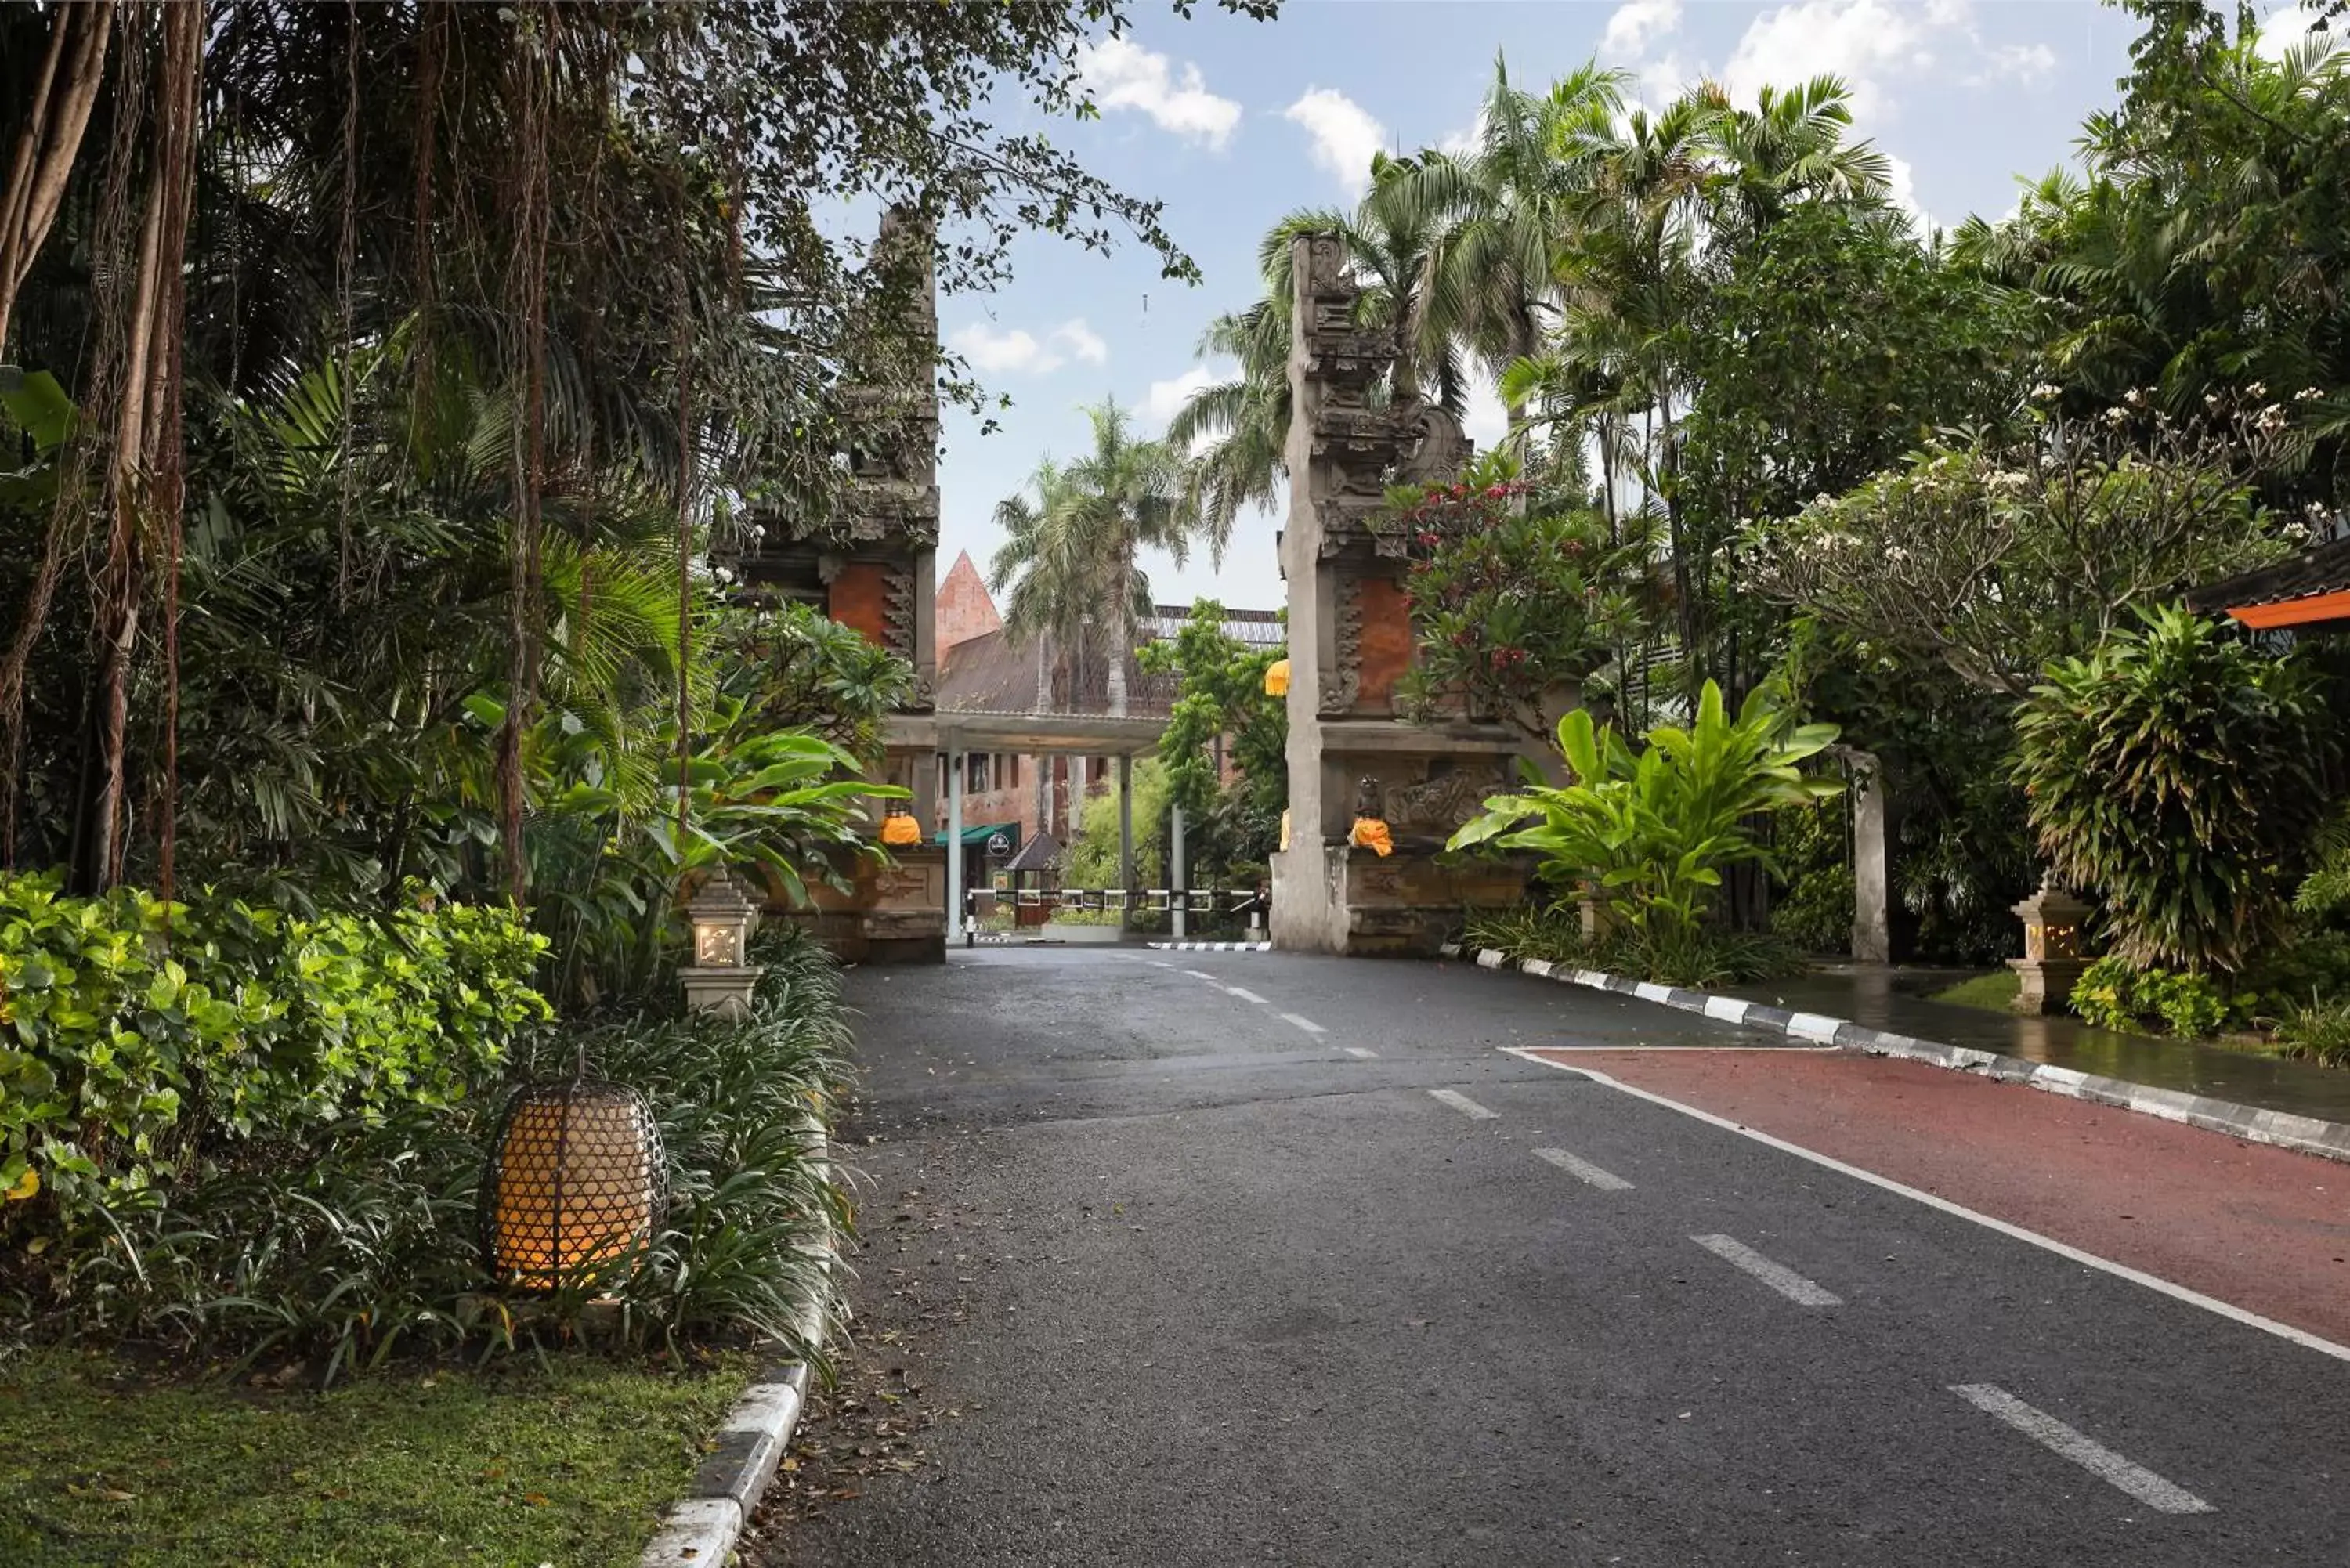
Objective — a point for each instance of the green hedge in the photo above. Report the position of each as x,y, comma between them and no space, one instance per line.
132,1049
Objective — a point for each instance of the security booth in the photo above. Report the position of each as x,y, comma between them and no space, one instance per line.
1034,877
984,847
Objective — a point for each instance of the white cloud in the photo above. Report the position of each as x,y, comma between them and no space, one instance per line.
1165,398
1345,134
1485,420
1636,24
2029,64
2287,27
995,350
1862,41
1901,181
1122,74
1082,341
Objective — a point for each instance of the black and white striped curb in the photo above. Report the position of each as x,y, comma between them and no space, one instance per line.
2308,1135
702,1527
1212,947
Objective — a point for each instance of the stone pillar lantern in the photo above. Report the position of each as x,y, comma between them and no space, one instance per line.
720,980
2052,957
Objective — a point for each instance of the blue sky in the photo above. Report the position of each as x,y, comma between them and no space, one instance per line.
1233,123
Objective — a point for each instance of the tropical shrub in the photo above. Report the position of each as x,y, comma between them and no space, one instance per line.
1813,909
358,1237
1651,834
2112,993
145,1043
1510,601
2316,1029
1553,934
2177,775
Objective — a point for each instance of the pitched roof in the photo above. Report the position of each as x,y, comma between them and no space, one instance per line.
1042,853
2320,569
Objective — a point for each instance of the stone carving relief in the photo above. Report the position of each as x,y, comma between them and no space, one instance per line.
1439,805
899,609
1342,681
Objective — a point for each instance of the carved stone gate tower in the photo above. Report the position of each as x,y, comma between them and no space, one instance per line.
872,566
1350,643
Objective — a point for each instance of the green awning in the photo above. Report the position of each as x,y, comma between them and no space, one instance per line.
980,835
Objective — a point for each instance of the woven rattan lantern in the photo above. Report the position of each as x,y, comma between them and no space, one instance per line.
575,1180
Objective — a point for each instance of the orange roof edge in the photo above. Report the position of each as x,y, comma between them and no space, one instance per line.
2294,612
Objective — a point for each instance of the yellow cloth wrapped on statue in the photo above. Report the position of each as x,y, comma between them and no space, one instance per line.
1372,834
1284,832
1276,678
900,829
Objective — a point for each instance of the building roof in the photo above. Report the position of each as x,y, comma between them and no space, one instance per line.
1042,853
2320,569
1253,628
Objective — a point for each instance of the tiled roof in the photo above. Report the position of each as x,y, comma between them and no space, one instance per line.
2320,569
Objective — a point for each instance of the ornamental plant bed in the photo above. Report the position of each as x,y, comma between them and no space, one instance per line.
565,1459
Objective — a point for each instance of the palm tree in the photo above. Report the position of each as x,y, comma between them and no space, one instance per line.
1505,207
1237,431
1244,421
1068,555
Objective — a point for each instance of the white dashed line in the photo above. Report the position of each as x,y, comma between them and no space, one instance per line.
1778,1276
1202,974
2086,1452
2227,1310
1161,963
1357,1050
1246,995
1606,1180
1306,1023
1464,1104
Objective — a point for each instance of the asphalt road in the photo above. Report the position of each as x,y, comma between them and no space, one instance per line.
1232,1283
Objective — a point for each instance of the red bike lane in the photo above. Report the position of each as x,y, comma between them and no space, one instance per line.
2258,1228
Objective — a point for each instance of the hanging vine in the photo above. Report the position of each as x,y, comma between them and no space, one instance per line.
534,79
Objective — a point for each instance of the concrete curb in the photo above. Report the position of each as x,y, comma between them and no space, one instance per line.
1212,947
702,1527
2306,1135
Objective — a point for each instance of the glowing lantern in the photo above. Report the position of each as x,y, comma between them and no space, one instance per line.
2052,960
719,979
1276,678
574,1183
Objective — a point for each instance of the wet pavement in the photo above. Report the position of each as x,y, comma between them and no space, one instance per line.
1890,999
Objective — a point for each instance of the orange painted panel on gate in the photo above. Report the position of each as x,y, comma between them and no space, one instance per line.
860,598
1385,643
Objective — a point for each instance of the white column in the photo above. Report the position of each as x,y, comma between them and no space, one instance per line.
1178,879
955,842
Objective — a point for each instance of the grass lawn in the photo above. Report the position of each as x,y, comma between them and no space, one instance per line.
1995,990
568,1464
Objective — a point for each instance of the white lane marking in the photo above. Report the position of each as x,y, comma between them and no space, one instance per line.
2086,1452
1161,963
1202,974
1606,1180
1246,995
1778,1276
2300,1336
1306,1023
1357,1050
1464,1104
